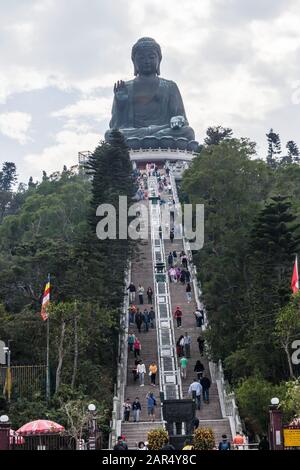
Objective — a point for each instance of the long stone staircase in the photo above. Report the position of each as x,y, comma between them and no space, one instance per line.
209,415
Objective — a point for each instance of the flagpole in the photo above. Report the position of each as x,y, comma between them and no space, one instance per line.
47,357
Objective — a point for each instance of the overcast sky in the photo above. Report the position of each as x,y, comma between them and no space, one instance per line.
237,64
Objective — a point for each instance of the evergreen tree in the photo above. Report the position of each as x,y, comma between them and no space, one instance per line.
8,176
216,134
274,149
111,172
293,152
31,184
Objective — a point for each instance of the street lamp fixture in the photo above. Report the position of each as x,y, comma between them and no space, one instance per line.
4,419
275,425
275,401
92,426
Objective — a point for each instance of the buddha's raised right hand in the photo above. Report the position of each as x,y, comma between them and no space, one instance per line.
120,91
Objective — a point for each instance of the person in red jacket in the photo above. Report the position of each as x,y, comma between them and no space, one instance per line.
178,316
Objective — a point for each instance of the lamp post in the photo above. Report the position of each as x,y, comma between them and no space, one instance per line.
4,432
92,426
8,383
275,426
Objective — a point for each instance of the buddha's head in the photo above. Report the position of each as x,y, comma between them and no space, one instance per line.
146,57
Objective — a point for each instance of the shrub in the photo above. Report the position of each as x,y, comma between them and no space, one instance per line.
203,439
157,438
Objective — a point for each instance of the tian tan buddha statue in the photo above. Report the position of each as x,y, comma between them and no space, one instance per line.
148,110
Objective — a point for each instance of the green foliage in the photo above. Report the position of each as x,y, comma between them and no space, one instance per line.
157,438
203,439
254,396
291,401
47,229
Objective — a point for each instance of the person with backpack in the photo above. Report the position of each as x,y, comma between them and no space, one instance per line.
199,317
224,444
199,369
151,404
121,444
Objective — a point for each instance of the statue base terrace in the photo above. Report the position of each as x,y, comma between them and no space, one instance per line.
161,155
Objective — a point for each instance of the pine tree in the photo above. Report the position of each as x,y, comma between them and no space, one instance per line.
216,134
111,172
274,149
31,184
293,152
274,241
8,176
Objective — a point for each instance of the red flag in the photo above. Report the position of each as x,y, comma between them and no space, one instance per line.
295,278
45,301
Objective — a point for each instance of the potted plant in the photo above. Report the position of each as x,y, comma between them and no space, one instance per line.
203,439
157,438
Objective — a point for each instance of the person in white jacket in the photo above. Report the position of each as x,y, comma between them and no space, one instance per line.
141,370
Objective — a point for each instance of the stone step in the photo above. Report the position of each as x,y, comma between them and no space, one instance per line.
136,432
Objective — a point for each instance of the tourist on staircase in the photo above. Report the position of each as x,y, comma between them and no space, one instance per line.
136,409
121,444
195,389
132,312
131,339
141,294
199,315
170,259
153,372
152,317
151,404
134,370
180,346
146,320
150,295
178,316
138,320
201,344
183,366
141,370
127,408
188,291
187,275
187,341
137,347
132,290
224,444
199,368
205,382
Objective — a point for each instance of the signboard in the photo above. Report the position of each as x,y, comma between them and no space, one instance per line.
291,437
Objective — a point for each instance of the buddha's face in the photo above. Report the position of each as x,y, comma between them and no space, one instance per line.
146,61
